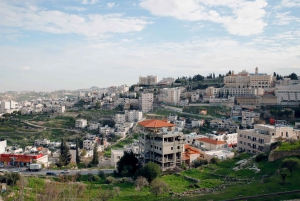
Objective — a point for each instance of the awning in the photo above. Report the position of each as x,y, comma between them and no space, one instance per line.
23,160
5,159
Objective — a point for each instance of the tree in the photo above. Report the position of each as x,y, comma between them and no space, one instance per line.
140,183
98,105
77,152
159,187
199,162
83,152
128,163
95,159
291,164
293,76
150,171
274,74
283,173
214,160
65,156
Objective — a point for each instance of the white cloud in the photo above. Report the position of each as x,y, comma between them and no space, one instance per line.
26,68
164,59
285,18
290,3
58,22
110,5
94,1
76,8
243,21
89,2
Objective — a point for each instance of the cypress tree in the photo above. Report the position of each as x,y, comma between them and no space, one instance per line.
65,156
95,160
77,152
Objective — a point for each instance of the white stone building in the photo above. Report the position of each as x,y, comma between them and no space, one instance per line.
147,102
149,80
133,115
120,118
80,123
259,139
173,96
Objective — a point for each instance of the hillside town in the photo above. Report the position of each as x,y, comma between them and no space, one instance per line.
174,123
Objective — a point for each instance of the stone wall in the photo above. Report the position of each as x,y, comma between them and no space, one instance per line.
275,155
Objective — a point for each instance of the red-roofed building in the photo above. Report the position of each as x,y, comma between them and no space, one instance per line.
210,144
190,154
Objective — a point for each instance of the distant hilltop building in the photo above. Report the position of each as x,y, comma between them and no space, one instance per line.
246,80
149,80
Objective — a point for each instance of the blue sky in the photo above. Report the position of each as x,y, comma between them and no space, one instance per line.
48,45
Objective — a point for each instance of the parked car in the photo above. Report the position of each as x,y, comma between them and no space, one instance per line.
65,171
51,173
17,171
3,170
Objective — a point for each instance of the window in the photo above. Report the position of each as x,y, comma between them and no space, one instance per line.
287,134
171,148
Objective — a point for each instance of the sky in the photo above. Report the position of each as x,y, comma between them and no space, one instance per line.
48,45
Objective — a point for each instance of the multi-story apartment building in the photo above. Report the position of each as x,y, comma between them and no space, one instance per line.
167,81
161,143
197,123
288,95
259,139
149,80
171,118
94,126
147,102
286,81
80,123
88,144
120,118
5,105
173,96
133,115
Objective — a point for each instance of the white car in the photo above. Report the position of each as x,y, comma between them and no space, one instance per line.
17,171
65,171
3,170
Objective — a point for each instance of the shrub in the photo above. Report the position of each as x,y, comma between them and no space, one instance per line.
199,162
214,160
140,183
101,173
96,178
261,157
159,187
110,180
117,190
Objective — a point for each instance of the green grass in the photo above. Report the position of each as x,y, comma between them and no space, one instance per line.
286,146
210,183
255,184
177,183
215,111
